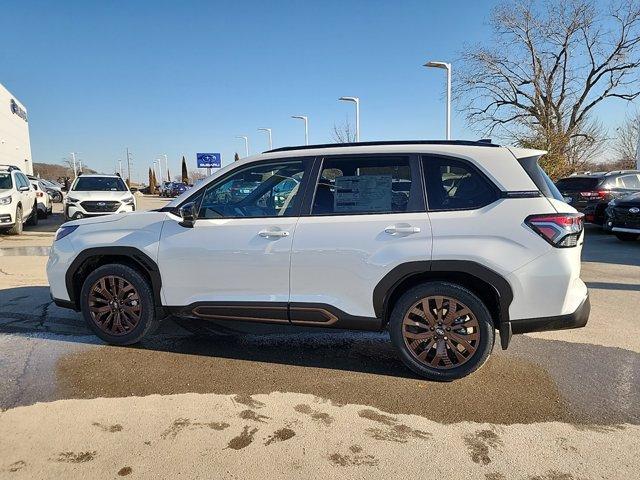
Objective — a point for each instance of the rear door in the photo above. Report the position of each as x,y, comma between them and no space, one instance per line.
365,215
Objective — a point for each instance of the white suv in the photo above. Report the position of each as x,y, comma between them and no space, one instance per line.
97,195
18,201
440,242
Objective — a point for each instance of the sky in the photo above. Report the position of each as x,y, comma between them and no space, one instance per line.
180,77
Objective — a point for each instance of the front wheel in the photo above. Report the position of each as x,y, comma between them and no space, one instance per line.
117,304
18,225
441,331
627,237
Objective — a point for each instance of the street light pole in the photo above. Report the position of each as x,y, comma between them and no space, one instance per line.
355,100
166,164
268,130
447,67
246,144
306,126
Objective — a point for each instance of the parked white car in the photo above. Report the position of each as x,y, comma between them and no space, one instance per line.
43,198
17,201
440,242
98,195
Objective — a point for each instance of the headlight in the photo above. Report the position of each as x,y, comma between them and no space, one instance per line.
65,230
5,200
128,200
72,200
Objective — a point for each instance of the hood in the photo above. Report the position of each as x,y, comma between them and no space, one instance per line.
107,195
115,217
632,200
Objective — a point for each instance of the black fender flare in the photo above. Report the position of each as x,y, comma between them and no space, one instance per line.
387,285
134,254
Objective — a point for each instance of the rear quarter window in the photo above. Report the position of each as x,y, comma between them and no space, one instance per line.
540,177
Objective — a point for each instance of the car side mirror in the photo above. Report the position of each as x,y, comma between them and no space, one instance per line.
24,189
188,213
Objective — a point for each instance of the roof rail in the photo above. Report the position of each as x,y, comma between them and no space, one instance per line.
612,172
11,168
485,142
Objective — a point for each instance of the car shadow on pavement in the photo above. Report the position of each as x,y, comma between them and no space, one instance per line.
536,380
602,247
614,286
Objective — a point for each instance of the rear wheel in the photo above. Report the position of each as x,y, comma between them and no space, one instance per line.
441,331
17,226
627,237
117,304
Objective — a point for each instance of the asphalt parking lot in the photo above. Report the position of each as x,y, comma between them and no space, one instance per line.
314,404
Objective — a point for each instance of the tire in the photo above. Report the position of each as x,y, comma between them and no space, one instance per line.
627,237
33,218
17,226
139,299
409,340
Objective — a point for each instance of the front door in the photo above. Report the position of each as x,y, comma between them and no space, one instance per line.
234,263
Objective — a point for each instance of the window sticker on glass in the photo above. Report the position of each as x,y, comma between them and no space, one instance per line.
368,193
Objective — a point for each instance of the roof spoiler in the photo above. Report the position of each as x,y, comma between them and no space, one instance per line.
520,153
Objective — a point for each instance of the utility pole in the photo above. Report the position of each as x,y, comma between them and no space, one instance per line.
120,167
73,159
128,167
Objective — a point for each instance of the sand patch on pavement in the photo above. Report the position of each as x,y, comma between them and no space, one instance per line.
292,436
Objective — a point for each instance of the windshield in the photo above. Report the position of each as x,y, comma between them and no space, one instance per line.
99,184
5,181
578,183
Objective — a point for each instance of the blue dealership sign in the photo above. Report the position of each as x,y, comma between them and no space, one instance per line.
209,160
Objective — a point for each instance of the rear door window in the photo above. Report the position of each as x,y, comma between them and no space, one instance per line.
456,185
367,184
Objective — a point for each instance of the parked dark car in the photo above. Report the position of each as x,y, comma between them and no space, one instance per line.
623,217
177,189
590,193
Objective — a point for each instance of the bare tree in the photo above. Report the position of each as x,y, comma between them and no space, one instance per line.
626,141
343,133
549,66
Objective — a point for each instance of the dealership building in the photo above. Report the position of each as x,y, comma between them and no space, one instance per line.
15,148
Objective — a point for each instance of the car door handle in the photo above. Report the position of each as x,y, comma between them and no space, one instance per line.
393,229
273,233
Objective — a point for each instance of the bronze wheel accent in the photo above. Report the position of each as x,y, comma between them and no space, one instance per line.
441,332
114,305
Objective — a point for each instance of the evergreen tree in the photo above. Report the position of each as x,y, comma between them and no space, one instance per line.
185,175
151,186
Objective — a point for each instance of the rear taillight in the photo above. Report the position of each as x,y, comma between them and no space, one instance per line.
562,230
39,194
595,194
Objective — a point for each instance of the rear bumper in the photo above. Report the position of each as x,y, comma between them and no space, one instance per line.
577,319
